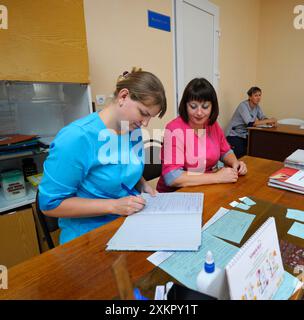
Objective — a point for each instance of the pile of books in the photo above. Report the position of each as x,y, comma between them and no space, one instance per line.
18,145
291,176
295,160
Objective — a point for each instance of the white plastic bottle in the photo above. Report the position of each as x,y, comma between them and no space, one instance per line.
211,280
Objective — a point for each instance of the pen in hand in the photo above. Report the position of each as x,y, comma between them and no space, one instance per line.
135,193
132,192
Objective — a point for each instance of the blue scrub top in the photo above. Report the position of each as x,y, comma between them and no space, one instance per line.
87,160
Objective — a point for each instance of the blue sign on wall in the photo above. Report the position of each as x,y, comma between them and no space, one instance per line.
159,21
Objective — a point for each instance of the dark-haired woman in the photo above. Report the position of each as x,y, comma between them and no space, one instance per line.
248,114
194,143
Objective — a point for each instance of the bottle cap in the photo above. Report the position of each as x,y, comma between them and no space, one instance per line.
209,263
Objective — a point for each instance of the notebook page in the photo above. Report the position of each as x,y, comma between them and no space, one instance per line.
147,232
173,203
168,222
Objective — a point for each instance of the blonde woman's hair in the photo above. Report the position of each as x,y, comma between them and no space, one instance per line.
144,87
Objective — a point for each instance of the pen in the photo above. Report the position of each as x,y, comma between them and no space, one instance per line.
138,295
132,192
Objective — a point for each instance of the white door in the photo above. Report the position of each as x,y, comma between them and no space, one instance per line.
196,42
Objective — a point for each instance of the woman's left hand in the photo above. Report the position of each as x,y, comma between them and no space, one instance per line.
148,189
240,167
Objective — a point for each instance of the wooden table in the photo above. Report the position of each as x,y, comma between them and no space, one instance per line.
275,143
81,269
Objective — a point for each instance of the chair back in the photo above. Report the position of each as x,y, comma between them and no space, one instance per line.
48,224
153,167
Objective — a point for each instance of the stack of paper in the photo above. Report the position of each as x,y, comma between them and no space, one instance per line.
264,126
169,221
295,160
289,179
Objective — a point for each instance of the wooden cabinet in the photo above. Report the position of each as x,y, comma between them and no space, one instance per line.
18,237
45,42
275,143
22,237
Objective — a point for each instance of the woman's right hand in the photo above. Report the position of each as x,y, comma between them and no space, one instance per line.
226,175
128,205
272,121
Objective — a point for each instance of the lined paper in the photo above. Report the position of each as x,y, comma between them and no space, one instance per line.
162,225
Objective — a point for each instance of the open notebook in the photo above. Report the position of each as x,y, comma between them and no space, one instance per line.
256,271
169,221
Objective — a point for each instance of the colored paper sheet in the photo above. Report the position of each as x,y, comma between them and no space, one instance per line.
248,201
232,226
185,266
219,214
287,288
295,214
239,205
297,230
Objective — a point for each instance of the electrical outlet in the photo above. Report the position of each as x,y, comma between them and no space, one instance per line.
100,99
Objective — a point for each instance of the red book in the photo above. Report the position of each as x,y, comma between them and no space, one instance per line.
15,138
280,177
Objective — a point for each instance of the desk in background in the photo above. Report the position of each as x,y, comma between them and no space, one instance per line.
275,143
81,269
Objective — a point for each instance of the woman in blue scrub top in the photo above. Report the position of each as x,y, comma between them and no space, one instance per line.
94,169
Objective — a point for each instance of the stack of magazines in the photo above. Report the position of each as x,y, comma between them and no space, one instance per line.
289,179
18,145
295,160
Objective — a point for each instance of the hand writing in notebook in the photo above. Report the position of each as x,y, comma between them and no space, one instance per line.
128,205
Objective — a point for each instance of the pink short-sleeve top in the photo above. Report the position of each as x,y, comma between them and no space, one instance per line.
185,150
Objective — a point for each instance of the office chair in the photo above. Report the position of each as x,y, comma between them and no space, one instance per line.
48,224
153,165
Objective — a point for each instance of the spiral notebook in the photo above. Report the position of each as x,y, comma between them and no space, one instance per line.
256,271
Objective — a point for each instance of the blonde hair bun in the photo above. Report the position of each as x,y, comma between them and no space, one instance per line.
125,74
144,87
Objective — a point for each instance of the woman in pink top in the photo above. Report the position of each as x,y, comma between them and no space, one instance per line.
194,143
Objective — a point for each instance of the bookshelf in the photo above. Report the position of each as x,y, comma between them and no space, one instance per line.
24,154
41,109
